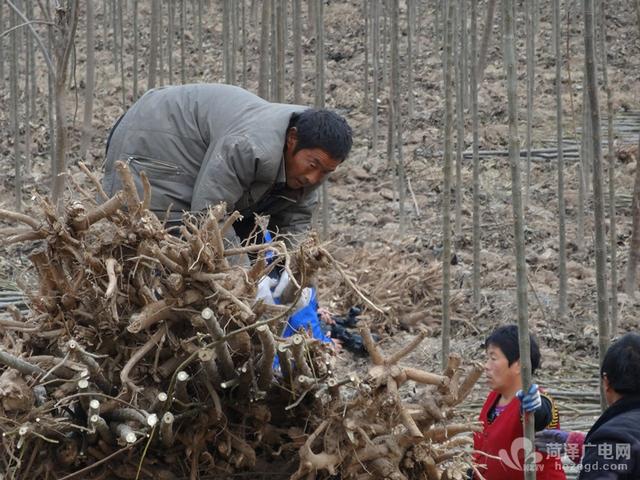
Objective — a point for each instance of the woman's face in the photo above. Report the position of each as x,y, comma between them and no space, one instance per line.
501,376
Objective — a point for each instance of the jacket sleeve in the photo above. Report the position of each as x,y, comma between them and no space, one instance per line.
227,171
543,415
609,455
295,219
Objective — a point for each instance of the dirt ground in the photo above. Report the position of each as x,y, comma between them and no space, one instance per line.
363,213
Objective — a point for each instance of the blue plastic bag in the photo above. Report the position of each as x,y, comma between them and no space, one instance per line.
308,319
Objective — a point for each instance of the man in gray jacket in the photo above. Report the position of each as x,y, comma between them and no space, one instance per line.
205,144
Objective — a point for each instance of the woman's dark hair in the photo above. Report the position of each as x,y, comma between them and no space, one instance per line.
621,365
506,339
320,128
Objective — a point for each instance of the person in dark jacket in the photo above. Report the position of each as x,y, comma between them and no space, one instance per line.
499,447
611,449
204,144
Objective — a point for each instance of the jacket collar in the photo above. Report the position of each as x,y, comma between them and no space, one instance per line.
281,176
623,405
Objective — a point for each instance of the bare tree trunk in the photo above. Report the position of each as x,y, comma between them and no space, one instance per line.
531,81
243,14
233,12
562,240
285,13
457,36
161,46
15,94
67,21
50,102
274,51
600,247
29,78
2,49
121,52
265,27
171,33
392,24
311,17
32,66
437,21
385,42
583,174
411,7
316,12
297,51
518,220
199,22
226,44
464,84
396,117
375,34
486,36
183,39
587,132
580,231
449,37
280,50
114,24
613,235
87,128
476,156
153,43
136,33
365,69
319,101
417,25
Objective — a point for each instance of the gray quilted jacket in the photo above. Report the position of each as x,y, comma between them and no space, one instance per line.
205,144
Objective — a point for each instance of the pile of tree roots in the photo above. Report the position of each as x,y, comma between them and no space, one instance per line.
144,354
406,286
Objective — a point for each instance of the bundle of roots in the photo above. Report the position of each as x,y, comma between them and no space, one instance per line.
407,286
145,354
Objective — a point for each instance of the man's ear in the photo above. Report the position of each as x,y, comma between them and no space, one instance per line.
292,138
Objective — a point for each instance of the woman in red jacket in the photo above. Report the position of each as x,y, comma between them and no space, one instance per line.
499,448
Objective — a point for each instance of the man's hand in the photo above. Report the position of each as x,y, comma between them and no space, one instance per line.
264,290
305,298
326,316
531,401
281,284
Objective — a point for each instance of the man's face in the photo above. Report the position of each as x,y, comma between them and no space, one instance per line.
500,375
307,167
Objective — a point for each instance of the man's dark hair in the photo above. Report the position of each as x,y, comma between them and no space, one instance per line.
621,365
320,128
506,339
